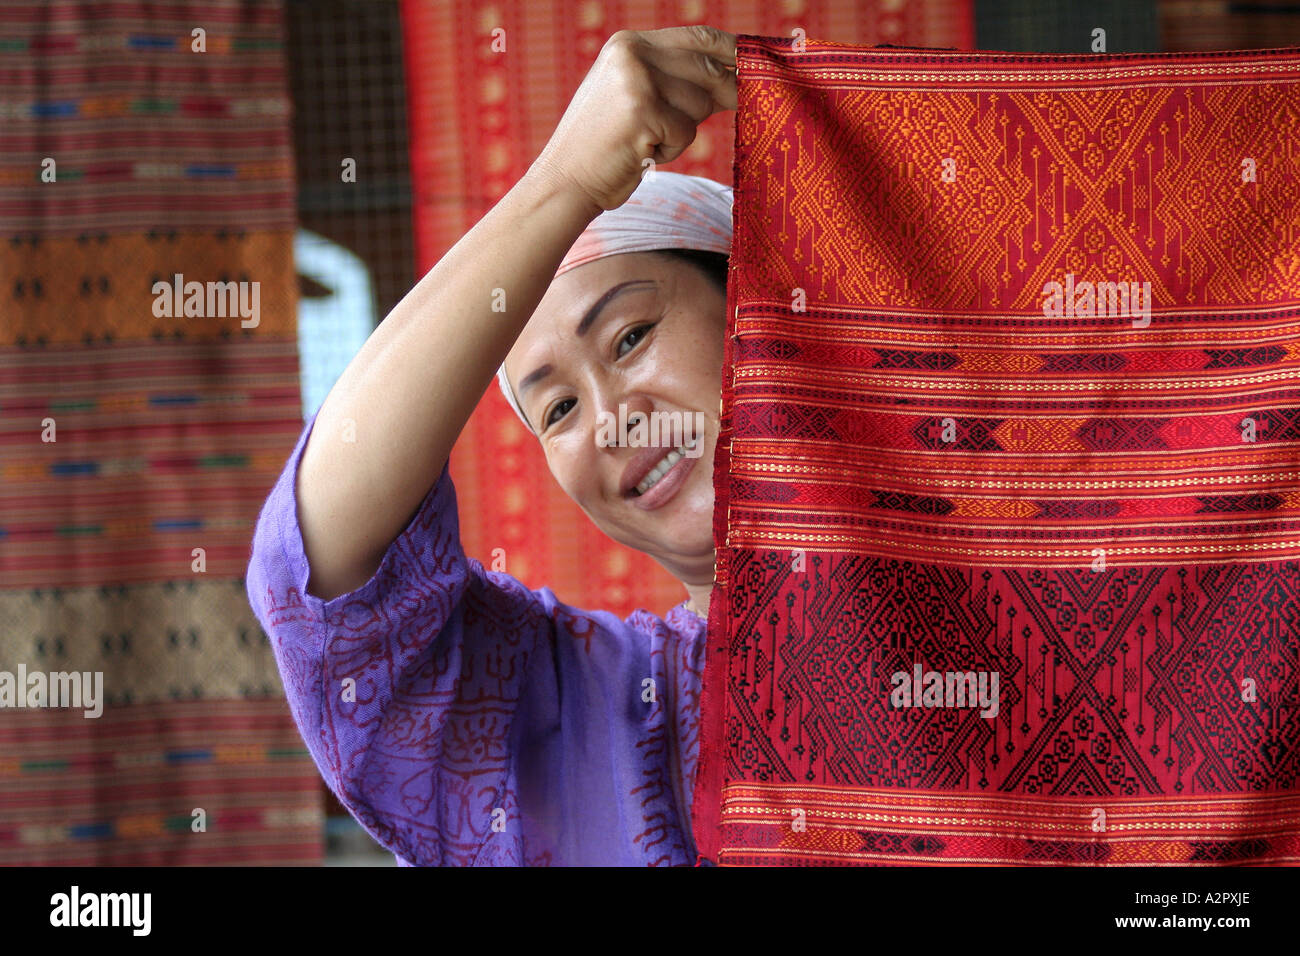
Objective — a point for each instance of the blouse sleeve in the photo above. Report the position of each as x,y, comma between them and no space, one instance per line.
465,719
408,721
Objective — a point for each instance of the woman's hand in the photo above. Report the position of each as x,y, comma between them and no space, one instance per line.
641,100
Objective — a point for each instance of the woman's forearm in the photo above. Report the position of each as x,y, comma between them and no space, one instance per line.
387,427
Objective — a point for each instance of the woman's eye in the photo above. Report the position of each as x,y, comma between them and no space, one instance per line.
550,418
639,328
638,332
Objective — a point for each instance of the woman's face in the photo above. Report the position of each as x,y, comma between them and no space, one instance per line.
655,345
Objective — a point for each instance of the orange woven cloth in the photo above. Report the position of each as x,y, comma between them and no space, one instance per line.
125,528
1008,513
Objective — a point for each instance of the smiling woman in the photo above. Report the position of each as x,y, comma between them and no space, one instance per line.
460,716
644,340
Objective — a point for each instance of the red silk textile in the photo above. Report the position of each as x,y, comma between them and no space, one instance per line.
935,462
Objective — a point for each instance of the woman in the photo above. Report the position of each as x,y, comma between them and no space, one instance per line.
461,717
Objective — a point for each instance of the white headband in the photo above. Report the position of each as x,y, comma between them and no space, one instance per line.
667,211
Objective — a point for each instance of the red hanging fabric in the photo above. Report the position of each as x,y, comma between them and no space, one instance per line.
1008,512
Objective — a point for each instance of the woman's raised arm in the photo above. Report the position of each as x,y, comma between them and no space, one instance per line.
387,427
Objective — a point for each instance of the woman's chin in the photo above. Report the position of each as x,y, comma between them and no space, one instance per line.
690,528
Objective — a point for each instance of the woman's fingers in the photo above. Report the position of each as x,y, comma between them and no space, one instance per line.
678,133
699,70
695,101
710,41
714,72
643,98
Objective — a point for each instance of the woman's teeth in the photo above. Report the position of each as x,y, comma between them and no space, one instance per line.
661,469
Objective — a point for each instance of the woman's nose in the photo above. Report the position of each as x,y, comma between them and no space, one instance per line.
637,415
617,422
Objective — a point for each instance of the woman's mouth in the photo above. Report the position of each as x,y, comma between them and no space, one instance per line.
663,481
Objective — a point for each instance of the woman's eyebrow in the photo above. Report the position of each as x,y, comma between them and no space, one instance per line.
608,297
535,376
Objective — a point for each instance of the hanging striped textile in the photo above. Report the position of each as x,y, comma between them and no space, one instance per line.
138,446
1008,503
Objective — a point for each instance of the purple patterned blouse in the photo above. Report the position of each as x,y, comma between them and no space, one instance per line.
464,719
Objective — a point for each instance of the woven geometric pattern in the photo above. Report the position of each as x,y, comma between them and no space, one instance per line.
1008,508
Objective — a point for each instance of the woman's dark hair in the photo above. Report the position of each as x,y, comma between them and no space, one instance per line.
713,264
